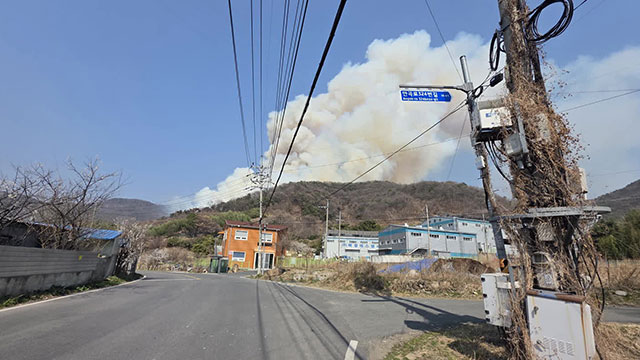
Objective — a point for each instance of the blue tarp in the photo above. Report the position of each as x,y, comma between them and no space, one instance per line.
420,265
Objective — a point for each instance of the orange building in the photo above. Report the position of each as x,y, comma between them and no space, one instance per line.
240,244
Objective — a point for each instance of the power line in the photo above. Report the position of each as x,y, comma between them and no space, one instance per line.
290,68
261,89
443,39
368,157
577,7
235,60
253,87
453,158
601,100
462,104
334,27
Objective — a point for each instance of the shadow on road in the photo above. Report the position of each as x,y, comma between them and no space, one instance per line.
324,330
432,317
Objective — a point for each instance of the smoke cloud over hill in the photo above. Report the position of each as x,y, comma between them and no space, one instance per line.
361,117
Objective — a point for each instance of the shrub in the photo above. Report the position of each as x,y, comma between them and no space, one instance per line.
179,242
220,218
366,277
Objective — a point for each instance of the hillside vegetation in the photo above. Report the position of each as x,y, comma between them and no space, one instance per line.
621,201
365,206
298,205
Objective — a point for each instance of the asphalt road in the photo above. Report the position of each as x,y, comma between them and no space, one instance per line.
206,316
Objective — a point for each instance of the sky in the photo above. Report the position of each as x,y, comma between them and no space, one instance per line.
149,87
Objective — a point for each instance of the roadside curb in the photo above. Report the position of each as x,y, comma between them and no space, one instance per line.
70,295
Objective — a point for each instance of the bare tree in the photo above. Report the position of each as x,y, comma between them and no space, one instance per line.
67,207
16,197
135,242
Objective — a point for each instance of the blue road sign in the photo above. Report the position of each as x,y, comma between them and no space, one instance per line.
425,95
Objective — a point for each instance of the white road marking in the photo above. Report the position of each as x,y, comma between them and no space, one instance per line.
351,350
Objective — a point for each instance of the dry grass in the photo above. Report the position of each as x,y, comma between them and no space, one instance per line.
465,341
619,341
482,341
621,275
443,281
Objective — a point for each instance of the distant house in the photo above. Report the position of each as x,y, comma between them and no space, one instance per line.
240,244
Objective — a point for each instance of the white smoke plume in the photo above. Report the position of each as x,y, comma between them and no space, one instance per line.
361,116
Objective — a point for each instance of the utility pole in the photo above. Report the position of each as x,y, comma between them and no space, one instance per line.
260,236
326,226
479,149
426,209
259,178
339,231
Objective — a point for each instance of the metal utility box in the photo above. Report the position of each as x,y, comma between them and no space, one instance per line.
494,118
492,122
497,301
560,326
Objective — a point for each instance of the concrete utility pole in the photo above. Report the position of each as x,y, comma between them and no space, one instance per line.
326,226
426,209
260,180
339,231
260,236
481,158
480,151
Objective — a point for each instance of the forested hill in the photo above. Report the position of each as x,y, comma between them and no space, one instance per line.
298,205
621,201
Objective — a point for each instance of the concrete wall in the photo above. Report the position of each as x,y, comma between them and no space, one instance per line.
24,269
390,259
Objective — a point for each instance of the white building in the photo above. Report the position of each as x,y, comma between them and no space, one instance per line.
442,236
353,245
481,228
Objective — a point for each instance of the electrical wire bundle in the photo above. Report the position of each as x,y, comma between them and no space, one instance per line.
532,33
531,27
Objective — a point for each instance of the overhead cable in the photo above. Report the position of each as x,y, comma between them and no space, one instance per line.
235,60
325,52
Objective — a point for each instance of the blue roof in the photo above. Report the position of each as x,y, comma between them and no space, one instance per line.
96,234
102,234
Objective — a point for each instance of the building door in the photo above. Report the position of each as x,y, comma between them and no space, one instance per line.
267,260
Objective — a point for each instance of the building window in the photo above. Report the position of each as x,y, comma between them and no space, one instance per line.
465,224
241,235
416,234
394,241
267,237
466,238
330,240
451,237
237,255
351,250
434,236
478,225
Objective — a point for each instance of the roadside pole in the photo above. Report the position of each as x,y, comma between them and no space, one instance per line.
260,234
426,207
339,231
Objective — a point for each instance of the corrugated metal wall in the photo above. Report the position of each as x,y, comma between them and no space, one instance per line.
24,261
